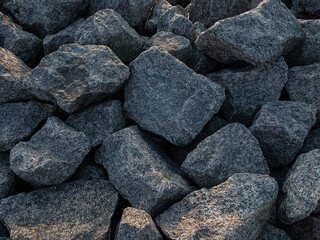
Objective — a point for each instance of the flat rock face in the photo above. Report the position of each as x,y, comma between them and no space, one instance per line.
167,98
19,120
271,233
305,229
257,36
235,209
137,224
51,156
301,7
140,172
76,210
98,121
75,76
44,17
312,141
7,177
232,149
107,27
250,88
281,128
301,188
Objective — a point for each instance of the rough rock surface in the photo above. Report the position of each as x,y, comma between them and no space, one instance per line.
250,88
98,121
301,188
312,141
235,209
200,62
51,156
76,210
271,233
302,7
140,172
232,149
107,27
160,7
257,36
7,177
75,76
281,128
137,224
19,120
305,229
167,98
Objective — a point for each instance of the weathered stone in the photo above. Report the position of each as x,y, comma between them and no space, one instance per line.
108,28
75,76
281,128
312,141
98,121
140,172
7,177
257,36
235,209
51,156
302,7
305,229
76,210
249,88
44,17
25,45
160,7
301,188
167,98
137,224
271,233
19,120
176,45
232,149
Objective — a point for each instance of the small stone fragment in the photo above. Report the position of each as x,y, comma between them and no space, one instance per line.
312,141
305,229
271,233
7,177
160,7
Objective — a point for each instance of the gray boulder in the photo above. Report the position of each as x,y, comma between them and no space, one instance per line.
140,172
107,27
235,209
98,121
51,156
7,178
137,224
167,98
301,188
160,7
232,149
75,76
271,233
305,229
19,120
257,36
249,88
312,141
281,128
302,7
76,210
44,17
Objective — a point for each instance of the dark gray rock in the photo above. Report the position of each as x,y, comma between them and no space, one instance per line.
312,141
7,177
75,76
281,128
98,121
19,120
302,7
301,188
160,7
232,149
51,156
44,17
51,43
305,229
257,36
137,224
90,172
200,62
76,210
167,98
25,45
108,28
235,209
271,233
176,45
249,88
140,172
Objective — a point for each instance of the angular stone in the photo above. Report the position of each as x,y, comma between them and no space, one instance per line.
281,128
167,98
76,210
108,28
302,7
301,188
232,149
235,209
25,45
305,229
257,36
51,156
140,172
312,141
7,177
98,121
160,7
75,76
19,120
137,224
249,88
271,233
